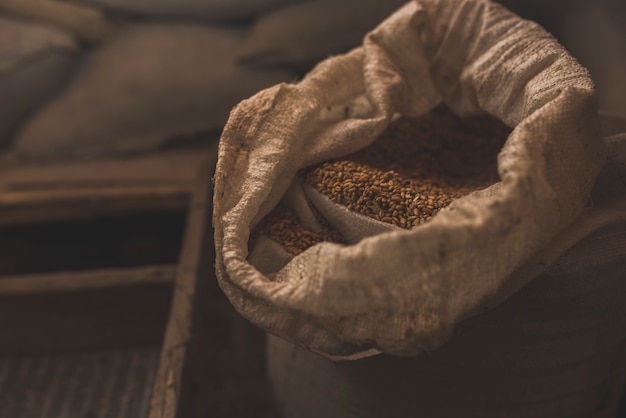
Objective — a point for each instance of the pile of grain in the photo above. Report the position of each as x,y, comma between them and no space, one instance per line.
283,226
416,168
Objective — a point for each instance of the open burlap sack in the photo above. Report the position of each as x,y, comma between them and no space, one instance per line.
402,292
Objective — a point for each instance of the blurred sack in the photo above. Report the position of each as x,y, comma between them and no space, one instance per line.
202,9
144,86
34,61
299,35
84,22
594,32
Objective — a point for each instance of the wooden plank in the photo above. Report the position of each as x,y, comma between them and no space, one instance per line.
85,189
84,319
106,383
159,168
172,389
83,280
40,206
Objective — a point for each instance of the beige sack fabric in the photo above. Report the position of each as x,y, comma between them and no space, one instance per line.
146,85
553,349
402,292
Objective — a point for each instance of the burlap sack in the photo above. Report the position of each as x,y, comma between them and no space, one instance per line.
145,86
34,61
85,22
206,9
553,349
402,292
300,35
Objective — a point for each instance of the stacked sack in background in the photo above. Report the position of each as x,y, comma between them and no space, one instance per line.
594,32
90,78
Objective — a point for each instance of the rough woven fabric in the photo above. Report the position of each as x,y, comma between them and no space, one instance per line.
34,61
299,35
402,292
147,84
87,23
553,349
207,9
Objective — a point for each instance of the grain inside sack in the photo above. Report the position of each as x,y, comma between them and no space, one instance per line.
414,169
282,226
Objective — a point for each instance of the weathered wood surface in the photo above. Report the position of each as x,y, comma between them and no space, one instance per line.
104,383
83,280
118,307
174,166
113,317
172,392
57,191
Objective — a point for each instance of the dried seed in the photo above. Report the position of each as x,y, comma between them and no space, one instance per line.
415,168
282,226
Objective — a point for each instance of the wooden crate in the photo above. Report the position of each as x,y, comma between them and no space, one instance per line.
141,339
34,193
